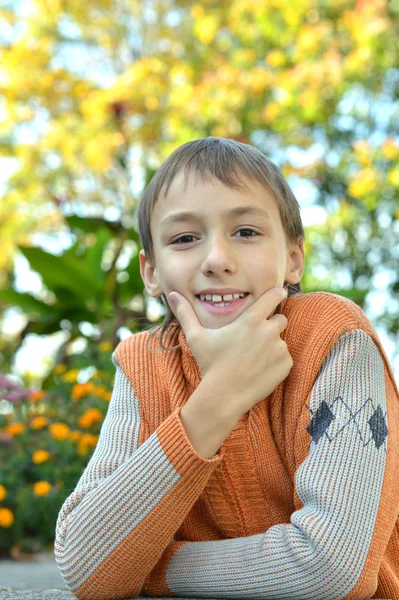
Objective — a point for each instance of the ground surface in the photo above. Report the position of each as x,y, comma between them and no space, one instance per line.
40,574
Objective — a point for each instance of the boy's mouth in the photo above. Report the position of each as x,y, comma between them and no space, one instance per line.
221,301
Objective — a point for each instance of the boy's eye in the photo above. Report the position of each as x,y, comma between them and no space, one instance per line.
182,237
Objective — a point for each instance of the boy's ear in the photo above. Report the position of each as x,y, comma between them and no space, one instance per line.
149,276
296,263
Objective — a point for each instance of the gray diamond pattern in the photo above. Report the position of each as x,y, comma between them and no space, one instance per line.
329,421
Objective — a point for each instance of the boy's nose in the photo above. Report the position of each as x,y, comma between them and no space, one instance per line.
219,255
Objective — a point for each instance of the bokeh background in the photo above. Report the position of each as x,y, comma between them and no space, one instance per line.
94,95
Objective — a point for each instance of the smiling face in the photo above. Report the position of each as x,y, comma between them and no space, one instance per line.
247,252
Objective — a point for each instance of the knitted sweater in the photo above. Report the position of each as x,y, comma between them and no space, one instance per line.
301,500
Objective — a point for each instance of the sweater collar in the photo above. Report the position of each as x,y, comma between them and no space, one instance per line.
189,363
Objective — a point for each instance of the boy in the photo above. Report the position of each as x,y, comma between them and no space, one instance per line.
256,454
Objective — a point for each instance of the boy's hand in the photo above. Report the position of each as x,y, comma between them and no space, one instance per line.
246,356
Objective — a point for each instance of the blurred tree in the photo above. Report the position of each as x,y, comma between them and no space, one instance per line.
93,92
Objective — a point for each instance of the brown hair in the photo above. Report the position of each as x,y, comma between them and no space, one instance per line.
228,161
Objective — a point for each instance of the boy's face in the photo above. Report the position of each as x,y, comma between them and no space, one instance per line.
218,254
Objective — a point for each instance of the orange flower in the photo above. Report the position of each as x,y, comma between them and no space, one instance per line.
59,431
40,456
38,422
3,492
75,436
101,392
41,488
82,389
90,417
15,428
87,441
36,396
6,517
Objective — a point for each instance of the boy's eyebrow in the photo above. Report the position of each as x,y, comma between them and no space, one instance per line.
238,211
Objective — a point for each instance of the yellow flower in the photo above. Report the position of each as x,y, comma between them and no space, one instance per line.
15,428
70,376
105,346
58,369
40,456
59,431
38,422
82,389
41,488
90,417
6,517
3,492
36,396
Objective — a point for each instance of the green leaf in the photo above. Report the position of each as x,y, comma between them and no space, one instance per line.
67,272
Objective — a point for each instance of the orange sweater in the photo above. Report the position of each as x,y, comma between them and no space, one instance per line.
301,500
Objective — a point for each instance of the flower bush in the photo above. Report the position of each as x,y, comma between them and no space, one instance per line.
46,439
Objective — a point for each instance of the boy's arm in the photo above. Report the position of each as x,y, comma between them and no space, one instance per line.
129,501
346,493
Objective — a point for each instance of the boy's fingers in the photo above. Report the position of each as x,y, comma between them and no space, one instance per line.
267,303
185,314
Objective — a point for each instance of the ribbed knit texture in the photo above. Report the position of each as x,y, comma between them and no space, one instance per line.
301,501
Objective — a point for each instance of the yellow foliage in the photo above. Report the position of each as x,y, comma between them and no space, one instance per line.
347,213
393,176
275,58
197,11
205,28
357,61
363,152
6,517
390,149
271,112
58,369
259,79
99,150
181,95
151,102
42,488
365,182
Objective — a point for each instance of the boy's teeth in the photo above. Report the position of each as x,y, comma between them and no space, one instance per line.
218,298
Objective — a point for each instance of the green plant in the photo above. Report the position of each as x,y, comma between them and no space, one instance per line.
46,440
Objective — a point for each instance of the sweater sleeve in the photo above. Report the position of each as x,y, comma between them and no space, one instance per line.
129,501
322,552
